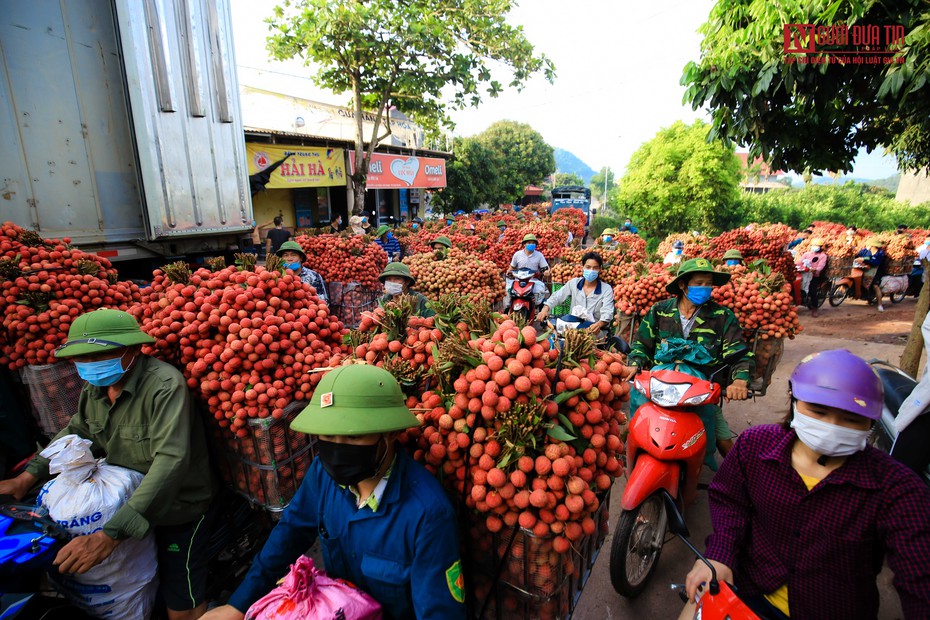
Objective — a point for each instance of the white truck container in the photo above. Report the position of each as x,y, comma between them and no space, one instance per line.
120,125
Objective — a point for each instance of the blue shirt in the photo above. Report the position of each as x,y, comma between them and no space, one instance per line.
391,245
405,555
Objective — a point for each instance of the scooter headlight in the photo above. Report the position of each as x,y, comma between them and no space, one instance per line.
697,400
667,394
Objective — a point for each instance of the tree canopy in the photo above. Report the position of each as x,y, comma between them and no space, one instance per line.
798,114
679,181
420,56
471,178
524,158
561,179
597,183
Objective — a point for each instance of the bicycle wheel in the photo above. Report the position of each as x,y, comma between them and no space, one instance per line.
823,292
838,294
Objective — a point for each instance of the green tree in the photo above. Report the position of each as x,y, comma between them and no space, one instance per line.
420,56
561,179
597,183
798,115
679,181
524,158
471,178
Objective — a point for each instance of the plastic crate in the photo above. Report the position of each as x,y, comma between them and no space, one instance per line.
266,466
563,308
349,300
54,390
533,581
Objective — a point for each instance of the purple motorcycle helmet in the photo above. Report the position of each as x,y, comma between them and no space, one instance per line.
840,379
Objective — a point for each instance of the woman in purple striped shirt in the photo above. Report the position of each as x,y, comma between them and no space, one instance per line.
805,513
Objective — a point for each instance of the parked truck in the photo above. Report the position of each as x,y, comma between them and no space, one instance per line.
120,126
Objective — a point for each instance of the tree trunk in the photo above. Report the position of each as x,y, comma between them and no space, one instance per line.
358,188
910,359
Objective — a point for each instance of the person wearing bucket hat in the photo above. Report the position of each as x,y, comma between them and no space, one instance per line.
294,258
359,224
442,243
501,226
814,549
137,412
692,315
388,242
398,280
732,258
529,258
608,239
384,521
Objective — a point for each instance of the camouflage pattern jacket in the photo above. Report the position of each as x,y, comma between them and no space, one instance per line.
715,327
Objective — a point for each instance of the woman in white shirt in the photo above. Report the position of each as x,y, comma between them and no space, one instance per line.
592,299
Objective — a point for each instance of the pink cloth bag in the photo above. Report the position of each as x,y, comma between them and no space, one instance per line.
307,593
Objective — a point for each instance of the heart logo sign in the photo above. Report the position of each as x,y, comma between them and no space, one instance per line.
406,171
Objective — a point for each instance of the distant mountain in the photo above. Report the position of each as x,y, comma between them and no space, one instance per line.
568,162
890,183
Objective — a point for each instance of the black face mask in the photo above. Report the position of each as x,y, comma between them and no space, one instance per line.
349,464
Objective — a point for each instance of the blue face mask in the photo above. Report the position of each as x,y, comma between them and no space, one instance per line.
699,295
732,262
678,251
293,266
530,247
590,275
416,226
608,239
390,236
448,222
101,373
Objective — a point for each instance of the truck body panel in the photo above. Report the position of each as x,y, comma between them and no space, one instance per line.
120,125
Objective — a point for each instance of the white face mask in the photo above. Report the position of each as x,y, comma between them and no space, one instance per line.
815,248
393,288
828,439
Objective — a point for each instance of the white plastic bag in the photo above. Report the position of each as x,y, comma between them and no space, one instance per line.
84,496
893,284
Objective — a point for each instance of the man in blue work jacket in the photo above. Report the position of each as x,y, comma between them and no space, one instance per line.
384,522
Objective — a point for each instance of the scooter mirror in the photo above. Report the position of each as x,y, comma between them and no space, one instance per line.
676,522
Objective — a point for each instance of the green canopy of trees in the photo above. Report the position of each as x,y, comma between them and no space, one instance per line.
813,116
523,157
471,178
679,181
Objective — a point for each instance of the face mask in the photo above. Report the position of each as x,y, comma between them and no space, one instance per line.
699,294
364,220
608,239
448,222
393,288
828,439
590,275
101,373
927,243
348,464
293,266
530,247
732,263
627,224
390,236
416,226
678,251
816,248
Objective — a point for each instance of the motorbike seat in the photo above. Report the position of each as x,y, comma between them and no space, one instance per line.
896,387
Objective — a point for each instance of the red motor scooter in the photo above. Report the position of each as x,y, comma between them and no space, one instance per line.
522,297
665,452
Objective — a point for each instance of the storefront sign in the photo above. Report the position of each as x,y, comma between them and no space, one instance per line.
402,171
300,166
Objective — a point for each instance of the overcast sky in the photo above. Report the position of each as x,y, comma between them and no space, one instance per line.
618,68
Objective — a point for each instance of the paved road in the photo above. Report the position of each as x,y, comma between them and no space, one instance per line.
600,602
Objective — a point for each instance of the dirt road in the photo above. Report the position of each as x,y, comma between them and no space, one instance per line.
855,326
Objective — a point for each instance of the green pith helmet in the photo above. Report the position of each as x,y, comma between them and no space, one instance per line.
381,230
502,224
397,269
443,241
530,237
732,255
613,232
102,330
358,399
696,265
292,246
